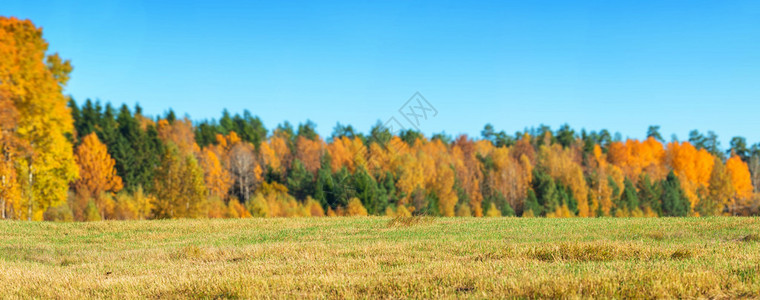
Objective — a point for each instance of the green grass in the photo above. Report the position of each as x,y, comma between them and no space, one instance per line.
383,257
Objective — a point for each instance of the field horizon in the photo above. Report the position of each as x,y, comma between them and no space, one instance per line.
381,257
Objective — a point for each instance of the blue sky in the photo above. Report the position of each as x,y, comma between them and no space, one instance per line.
597,64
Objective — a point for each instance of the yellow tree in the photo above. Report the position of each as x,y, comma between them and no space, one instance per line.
96,171
523,147
721,190
218,179
511,176
444,187
693,168
563,164
443,178
340,154
180,132
410,178
270,158
349,153
601,191
282,157
355,208
10,148
634,157
742,183
34,82
180,190
468,171
309,152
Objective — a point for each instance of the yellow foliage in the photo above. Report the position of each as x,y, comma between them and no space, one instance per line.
649,213
217,178
563,164
740,177
468,171
216,208
96,168
693,168
309,152
560,212
355,208
34,83
237,210
401,211
493,211
634,157
464,210
258,206
314,208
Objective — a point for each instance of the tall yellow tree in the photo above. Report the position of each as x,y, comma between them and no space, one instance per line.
742,183
511,176
180,190
721,190
693,168
468,171
34,82
218,179
600,189
10,148
96,171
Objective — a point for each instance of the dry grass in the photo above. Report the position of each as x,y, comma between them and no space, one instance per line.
383,258
752,237
410,221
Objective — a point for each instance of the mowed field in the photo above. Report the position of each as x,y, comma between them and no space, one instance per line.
382,258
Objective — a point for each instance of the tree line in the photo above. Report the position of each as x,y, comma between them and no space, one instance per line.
62,160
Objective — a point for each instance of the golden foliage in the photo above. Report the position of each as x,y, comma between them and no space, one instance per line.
355,208
563,164
34,84
310,152
96,168
740,177
217,178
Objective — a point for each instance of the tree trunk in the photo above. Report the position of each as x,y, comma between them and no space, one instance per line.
240,183
245,196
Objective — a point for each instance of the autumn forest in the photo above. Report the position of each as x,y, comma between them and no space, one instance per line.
68,160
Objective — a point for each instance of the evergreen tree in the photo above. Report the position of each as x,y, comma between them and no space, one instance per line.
654,132
300,182
739,147
546,192
342,191
674,202
565,135
308,130
367,191
531,203
630,197
649,194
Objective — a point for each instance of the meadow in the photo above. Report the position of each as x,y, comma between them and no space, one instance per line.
380,257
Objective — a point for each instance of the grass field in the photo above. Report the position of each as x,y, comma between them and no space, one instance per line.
380,257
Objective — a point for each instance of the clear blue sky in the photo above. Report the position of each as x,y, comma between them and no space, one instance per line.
599,64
